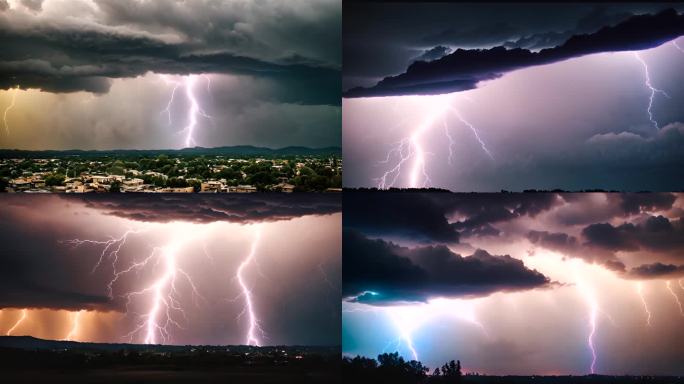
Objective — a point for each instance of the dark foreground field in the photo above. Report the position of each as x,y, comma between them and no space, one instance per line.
392,368
135,374
30,360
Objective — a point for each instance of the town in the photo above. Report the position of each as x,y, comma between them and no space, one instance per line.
166,173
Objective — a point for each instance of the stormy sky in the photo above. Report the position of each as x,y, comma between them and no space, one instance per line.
534,96
194,251
100,74
515,283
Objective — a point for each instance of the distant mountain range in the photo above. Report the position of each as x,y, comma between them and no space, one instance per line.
33,343
238,150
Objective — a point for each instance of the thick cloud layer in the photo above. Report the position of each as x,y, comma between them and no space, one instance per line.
116,39
657,233
631,234
424,217
464,69
380,273
243,209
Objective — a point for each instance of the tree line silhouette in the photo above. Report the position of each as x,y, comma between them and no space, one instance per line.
392,368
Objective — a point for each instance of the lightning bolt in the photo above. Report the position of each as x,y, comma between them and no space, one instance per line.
175,84
164,297
475,132
251,337
75,317
407,319
640,292
404,334
4,116
679,303
24,315
163,293
410,149
451,142
194,111
111,248
653,90
590,297
325,276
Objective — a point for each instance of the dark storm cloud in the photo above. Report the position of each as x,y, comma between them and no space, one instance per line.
381,273
132,38
36,273
434,53
581,222
464,69
410,215
483,210
425,217
657,233
569,245
243,209
477,35
634,203
554,241
656,271
90,59
591,22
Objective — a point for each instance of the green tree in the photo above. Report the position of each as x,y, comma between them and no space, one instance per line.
115,186
54,180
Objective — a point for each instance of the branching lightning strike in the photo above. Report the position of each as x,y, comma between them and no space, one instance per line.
411,148
111,249
194,110
640,292
672,292
12,103
653,90
165,304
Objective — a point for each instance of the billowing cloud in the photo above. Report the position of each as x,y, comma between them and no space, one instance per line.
464,69
657,233
657,271
380,273
427,217
596,19
411,215
434,53
124,39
